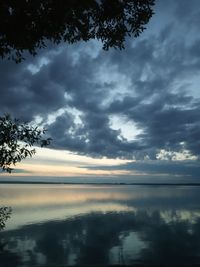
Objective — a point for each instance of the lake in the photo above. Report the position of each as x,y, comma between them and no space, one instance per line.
62,225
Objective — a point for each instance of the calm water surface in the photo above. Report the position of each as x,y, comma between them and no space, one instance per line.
61,225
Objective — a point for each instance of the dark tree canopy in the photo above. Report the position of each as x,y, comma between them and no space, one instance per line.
16,141
26,25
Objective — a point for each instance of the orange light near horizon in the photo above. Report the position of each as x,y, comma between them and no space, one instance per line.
46,170
49,162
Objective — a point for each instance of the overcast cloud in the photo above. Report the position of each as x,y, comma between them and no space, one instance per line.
151,89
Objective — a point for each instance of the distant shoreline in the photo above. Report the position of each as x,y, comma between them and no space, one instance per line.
71,183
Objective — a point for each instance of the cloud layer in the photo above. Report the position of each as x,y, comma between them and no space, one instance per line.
76,91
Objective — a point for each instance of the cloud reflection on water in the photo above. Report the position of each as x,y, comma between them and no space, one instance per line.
102,224
108,238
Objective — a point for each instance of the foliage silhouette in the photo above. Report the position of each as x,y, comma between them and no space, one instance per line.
16,141
7,258
5,213
26,25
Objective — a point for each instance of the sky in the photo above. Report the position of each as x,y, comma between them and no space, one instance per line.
119,115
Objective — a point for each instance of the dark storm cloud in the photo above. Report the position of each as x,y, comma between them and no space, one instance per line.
188,12
166,126
168,118
24,94
150,83
62,132
92,137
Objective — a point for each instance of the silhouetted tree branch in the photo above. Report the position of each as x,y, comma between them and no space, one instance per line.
16,141
26,25
5,213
